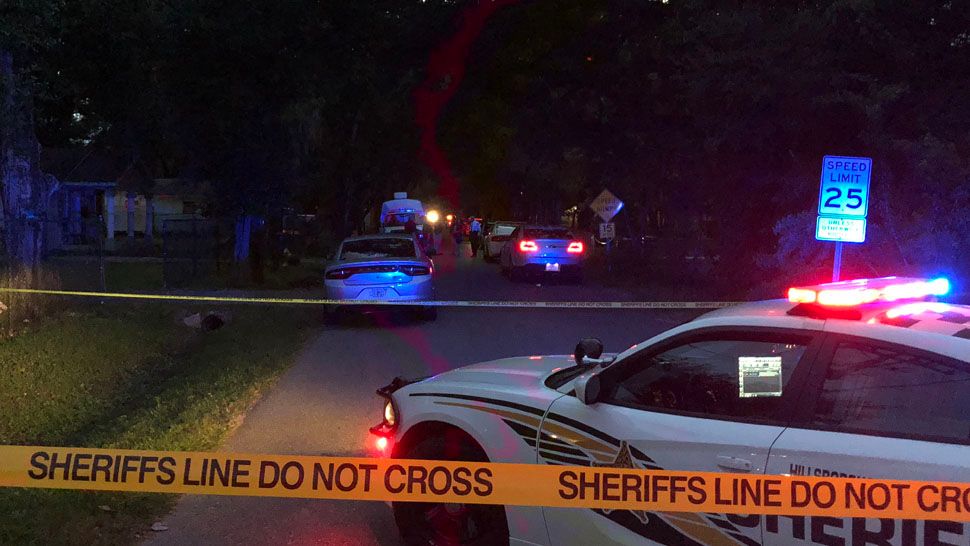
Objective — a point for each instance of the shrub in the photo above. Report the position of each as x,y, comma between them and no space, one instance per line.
19,309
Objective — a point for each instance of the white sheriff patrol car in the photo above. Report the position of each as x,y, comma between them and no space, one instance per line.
860,378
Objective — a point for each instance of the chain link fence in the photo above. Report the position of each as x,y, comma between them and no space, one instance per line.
190,250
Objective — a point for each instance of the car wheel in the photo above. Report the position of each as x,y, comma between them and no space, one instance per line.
450,524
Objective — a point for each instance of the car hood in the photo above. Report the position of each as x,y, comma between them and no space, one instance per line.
523,371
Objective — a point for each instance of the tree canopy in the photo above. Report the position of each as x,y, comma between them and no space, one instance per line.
708,117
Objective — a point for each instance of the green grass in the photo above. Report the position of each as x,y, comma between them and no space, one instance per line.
118,276
144,276
129,377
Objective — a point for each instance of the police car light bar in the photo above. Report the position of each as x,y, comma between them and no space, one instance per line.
862,291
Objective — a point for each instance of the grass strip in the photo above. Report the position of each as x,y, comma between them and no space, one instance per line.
129,377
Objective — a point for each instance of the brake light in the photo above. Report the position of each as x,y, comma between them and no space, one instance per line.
863,291
575,247
415,270
339,274
528,246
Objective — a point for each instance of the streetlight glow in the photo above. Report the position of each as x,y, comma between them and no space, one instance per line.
433,216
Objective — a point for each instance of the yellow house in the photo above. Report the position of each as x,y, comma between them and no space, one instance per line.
101,192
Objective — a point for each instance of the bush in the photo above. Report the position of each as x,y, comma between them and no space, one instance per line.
18,309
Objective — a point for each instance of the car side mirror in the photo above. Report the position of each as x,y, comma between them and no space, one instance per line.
588,347
589,386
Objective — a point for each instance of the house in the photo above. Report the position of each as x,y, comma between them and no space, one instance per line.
102,191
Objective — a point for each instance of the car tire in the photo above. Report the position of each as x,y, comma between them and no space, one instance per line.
450,524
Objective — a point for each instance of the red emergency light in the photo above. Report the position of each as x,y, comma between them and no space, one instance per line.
862,291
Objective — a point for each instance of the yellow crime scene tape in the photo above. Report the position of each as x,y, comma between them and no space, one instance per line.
383,479
436,303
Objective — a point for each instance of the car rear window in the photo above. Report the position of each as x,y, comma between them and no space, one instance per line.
400,219
548,233
378,248
503,230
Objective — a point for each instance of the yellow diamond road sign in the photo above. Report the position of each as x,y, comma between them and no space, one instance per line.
606,205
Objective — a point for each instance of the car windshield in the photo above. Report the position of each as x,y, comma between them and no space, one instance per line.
547,233
391,247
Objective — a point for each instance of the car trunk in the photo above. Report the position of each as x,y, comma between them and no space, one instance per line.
553,248
380,271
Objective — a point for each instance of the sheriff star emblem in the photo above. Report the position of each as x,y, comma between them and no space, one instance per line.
624,459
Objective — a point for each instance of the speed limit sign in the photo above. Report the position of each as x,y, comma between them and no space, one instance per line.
607,231
845,186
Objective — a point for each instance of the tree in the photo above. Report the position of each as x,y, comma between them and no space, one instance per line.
25,31
716,114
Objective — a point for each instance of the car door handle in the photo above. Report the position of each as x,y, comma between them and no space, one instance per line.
733,463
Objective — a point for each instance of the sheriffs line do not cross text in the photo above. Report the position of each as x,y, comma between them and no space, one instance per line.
758,493
264,474
481,483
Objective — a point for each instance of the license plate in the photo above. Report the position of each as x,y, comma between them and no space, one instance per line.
374,294
552,267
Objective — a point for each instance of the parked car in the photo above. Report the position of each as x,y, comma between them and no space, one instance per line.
538,249
384,267
496,235
860,378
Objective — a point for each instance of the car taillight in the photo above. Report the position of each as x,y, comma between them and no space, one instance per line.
339,274
528,246
415,270
575,247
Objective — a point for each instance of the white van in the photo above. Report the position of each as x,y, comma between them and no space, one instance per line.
396,213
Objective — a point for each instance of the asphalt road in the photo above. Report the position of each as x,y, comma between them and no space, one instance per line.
325,403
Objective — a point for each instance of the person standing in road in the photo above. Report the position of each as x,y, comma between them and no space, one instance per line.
457,235
474,235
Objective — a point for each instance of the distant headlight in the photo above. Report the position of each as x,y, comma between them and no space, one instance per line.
390,416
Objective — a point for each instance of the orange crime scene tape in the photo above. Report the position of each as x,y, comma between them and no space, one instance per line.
385,479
